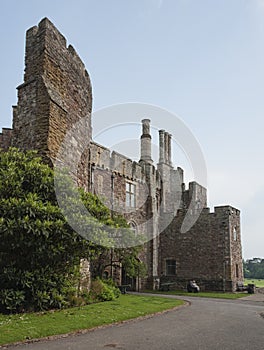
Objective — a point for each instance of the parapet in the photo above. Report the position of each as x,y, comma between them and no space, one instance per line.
226,209
116,162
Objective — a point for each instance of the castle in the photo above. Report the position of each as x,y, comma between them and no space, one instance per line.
55,95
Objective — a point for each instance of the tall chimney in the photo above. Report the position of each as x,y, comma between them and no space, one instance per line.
169,149
146,141
166,148
161,146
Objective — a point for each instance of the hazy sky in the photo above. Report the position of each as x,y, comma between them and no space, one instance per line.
202,60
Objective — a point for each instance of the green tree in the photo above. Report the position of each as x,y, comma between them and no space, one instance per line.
126,256
39,251
254,268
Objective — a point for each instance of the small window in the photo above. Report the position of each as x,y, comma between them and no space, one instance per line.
170,267
98,158
235,234
133,227
237,271
130,195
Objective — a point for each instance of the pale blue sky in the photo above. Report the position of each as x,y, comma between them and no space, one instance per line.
202,60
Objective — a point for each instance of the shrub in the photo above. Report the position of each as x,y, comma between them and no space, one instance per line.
103,291
11,300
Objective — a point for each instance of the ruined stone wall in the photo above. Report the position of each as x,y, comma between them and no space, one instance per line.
5,138
55,96
205,253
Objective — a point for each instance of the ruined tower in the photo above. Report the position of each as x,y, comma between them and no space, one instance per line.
55,96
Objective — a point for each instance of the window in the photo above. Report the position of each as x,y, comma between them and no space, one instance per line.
235,234
133,227
237,271
98,158
170,267
130,195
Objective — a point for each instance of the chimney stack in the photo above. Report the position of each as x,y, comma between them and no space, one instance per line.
164,147
146,142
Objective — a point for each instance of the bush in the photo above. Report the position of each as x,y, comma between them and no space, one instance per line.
11,300
109,282
103,291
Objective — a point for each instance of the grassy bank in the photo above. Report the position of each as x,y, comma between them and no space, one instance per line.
257,282
203,294
14,328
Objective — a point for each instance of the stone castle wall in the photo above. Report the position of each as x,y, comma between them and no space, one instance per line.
54,112
206,253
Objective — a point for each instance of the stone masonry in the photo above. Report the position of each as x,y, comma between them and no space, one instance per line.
54,102
6,138
55,95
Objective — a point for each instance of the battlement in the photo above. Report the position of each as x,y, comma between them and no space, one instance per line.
116,162
226,209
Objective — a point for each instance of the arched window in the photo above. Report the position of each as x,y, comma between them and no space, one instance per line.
133,227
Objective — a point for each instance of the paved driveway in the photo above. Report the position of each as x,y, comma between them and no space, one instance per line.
206,324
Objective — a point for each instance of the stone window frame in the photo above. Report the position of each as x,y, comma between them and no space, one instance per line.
133,227
235,235
169,267
130,194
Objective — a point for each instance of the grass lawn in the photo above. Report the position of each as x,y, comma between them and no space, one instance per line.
258,283
21,327
218,295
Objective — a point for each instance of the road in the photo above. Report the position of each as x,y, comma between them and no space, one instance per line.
206,324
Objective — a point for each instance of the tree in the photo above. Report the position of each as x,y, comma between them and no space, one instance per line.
40,253
254,268
126,256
